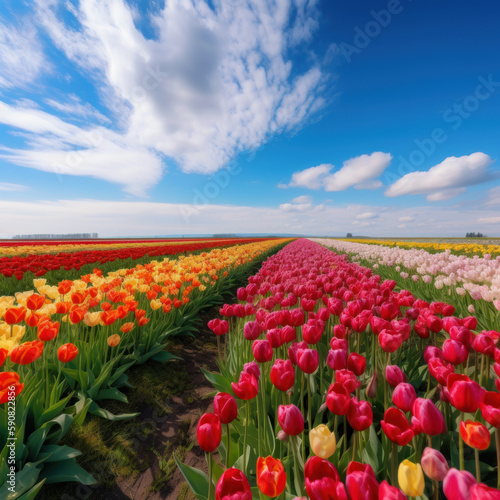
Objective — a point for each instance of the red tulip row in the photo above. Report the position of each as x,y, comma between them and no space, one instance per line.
313,332
42,263
36,243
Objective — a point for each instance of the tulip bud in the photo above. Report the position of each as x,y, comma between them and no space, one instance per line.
209,432
322,441
458,483
233,484
394,375
225,407
371,389
434,464
290,419
411,478
475,434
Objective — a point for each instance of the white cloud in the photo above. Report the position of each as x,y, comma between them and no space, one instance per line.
359,172
212,83
74,108
402,225
406,218
303,199
493,197
295,207
21,55
447,179
7,186
367,215
311,177
489,220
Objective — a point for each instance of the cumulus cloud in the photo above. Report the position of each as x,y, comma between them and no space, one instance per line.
447,179
295,207
359,172
367,215
211,83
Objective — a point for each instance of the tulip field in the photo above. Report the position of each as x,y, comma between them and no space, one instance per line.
66,345
352,371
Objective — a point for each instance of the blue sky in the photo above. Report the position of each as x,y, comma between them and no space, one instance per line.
136,117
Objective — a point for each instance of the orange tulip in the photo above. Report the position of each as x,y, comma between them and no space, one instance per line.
122,311
63,307
114,340
7,381
143,321
27,352
139,313
109,317
64,287
106,306
126,327
151,295
475,434
35,301
14,315
77,315
67,352
271,476
33,319
47,330
77,297
3,356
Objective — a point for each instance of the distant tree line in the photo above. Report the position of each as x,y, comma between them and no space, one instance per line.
475,235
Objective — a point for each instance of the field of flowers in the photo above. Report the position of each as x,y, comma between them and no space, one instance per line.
336,383
66,346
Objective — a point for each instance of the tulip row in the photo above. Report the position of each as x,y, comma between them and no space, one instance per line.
468,282
468,249
67,347
337,386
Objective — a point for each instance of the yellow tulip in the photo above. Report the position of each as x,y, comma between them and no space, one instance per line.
92,319
411,478
323,442
39,282
155,304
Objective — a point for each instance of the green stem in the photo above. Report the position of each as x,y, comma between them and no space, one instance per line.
302,411
345,434
247,408
394,464
461,445
210,482
478,469
228,445
354,440
309,411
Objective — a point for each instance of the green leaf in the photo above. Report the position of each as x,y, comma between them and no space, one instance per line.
56,453
164,356
101,412
197,480
31,494
26,478
113,393
218,381
66,470
53,411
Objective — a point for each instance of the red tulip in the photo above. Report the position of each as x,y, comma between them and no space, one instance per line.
490,408
454,352
475,434
390,340
233,485
457,484
290,419
283,375
434,324
396,427
47,330
219,327
427,418
273,336
432,352
209,432
335,306
387,492
484,492
337,359
252,330
348,379
322,480
484,344
253,369
440,370
404,396
356,363
27,352
312,331
338,399
361,483
262,351
307,360
379,324
339,331
337,343
7,381
292,350
288,334
470,322
359,415
389,310
434,464
247,386
394,375
225,407
271,476
67,352
465,394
